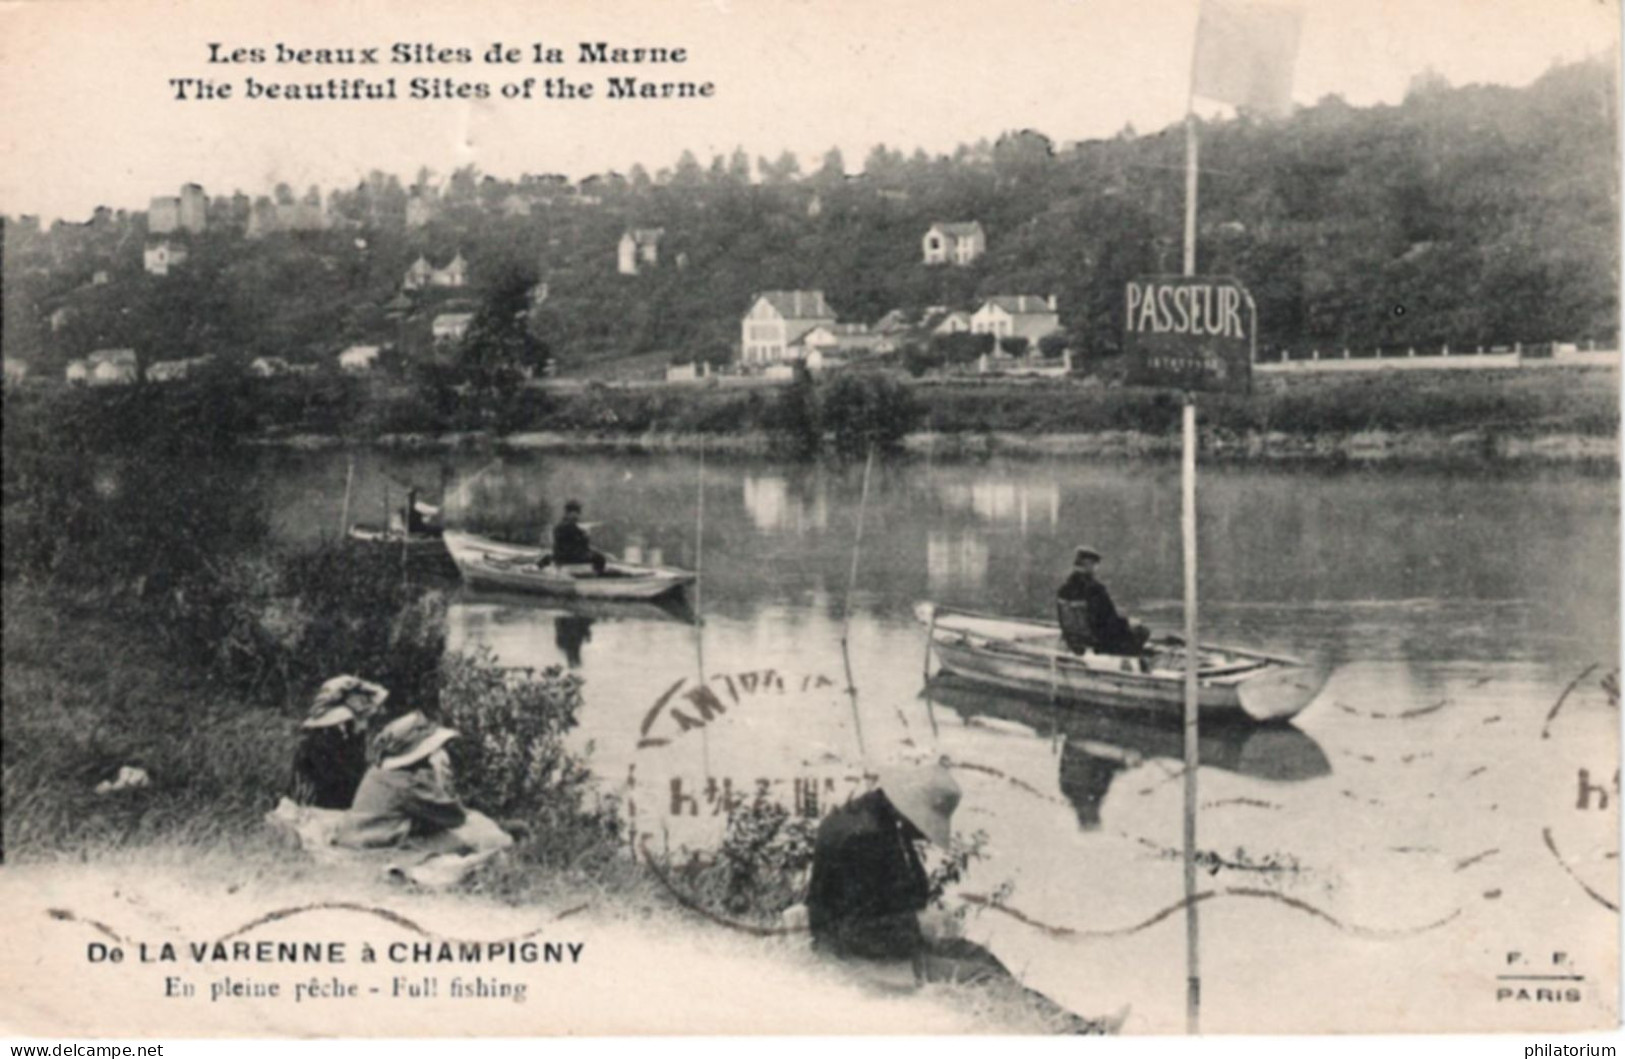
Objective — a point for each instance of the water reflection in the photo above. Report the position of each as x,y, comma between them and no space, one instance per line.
570,633
955,560
1098,744
776,504
1005,502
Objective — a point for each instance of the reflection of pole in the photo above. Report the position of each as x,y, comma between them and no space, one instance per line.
1193,966
349,482
930,641
699,613
846,618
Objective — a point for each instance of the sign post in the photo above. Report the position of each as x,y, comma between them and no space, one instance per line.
1191,333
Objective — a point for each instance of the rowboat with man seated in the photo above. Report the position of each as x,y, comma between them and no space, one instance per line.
1031,656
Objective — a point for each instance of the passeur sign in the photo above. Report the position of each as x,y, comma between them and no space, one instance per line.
1189,333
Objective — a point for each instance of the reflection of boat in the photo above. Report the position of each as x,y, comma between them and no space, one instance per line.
1030,656
667,608
1280,753
420,548
492,564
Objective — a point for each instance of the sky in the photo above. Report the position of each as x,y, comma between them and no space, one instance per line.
88,115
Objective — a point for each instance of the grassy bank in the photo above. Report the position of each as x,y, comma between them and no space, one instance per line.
1550,413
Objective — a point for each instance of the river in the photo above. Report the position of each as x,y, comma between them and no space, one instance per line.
1374,866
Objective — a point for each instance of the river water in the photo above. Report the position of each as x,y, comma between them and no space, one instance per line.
1418,851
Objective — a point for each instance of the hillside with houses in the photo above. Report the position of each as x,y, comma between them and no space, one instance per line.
1353,227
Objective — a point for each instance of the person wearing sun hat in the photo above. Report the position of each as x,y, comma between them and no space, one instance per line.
407,793
868,884
868,896
331,756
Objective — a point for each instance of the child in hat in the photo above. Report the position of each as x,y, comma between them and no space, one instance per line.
407,793
332,753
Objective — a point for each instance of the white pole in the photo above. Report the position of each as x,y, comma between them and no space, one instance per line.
1193,966
1193,974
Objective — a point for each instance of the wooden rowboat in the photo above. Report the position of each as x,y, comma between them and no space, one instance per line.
1029,656
486,563
414,543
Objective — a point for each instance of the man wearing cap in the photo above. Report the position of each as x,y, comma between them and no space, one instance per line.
869,888
570,542
407,793
1089,618
332,753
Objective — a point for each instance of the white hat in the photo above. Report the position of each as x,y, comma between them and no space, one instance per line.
332,703
409,739
925,795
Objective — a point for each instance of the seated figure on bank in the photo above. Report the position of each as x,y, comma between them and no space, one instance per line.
868,895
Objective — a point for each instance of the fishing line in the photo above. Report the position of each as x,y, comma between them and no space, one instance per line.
846,618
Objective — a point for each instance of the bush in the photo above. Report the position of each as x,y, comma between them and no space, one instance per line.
1015,345
1052,346
861,411
512,758
962,348
761,867
795,425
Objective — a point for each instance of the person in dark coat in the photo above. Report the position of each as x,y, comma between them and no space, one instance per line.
571,545
1089,618
331,756
868,894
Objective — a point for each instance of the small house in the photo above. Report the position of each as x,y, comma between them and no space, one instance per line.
953,243
158,258
358,360
1025,316
450,327
777,320
269,367
638,247
111,367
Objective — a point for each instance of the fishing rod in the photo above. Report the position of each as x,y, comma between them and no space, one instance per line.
699,601
851,587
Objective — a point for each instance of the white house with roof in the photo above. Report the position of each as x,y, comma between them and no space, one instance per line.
174,370
158,258
358,360
838,338
777,320
1017,316
638,247
110,367
953,243
450,327
421,274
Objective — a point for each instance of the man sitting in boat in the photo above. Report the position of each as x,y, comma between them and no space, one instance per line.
868,894
1089,619
420,517
570,543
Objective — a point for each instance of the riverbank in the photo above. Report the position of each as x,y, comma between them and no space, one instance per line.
186,858
1565,416
1374,446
